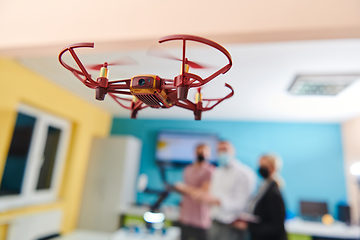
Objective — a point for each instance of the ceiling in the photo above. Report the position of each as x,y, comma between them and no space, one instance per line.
261,75
38,26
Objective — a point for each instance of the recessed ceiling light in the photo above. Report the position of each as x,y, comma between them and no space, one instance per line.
325,85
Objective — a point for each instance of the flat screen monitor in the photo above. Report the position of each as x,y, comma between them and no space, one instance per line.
179,147
314,210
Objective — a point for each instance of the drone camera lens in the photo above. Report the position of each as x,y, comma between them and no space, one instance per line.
142,82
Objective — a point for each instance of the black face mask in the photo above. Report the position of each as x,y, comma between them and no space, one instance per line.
264,172
200,158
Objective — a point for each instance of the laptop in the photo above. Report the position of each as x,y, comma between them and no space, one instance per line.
313,211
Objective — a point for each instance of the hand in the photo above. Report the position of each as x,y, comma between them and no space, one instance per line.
198,195
240,225
180,187
206,198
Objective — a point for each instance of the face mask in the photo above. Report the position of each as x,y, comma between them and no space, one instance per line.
223,159
200,158
264,172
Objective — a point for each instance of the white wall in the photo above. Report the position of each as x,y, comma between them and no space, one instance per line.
351,144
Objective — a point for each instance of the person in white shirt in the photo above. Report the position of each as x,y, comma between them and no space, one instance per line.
232,185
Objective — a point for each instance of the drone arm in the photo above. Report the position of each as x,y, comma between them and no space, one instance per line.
186,104
135,105
126,81
138,105
194,78
119,84
167,84
119,92
117,99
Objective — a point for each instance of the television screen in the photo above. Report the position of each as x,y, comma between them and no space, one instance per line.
179,147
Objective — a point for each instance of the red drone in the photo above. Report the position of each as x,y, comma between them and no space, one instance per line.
151,90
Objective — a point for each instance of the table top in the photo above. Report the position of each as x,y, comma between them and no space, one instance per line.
336,230
294,226
172,233
85,235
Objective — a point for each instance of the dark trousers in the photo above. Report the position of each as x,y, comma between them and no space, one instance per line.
220,231
193,233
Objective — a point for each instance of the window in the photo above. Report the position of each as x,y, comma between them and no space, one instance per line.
47,168
14,171
35,159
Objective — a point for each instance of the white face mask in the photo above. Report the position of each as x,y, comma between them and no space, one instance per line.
223,159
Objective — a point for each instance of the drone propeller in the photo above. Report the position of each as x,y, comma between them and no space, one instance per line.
157,52
123,61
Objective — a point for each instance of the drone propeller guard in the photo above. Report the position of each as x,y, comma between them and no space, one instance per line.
151,90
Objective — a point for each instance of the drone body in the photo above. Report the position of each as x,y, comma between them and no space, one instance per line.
152,90
147,88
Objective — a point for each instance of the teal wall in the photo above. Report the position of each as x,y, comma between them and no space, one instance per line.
312,154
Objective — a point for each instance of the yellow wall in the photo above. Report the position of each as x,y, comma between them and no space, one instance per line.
3,232
20,85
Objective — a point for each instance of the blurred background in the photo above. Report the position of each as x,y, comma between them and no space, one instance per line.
69,163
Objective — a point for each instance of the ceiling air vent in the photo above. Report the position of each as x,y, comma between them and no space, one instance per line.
324,85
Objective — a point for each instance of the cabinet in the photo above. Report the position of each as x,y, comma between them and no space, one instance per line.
35,226
110,182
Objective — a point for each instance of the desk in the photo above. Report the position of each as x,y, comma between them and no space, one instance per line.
295,226
85,235
336,230
172,233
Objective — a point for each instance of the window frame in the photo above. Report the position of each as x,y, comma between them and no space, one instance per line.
29,195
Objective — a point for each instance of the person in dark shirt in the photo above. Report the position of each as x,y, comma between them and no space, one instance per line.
268,204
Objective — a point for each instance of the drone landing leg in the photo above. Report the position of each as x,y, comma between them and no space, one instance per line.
134,113
100,93
197,114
